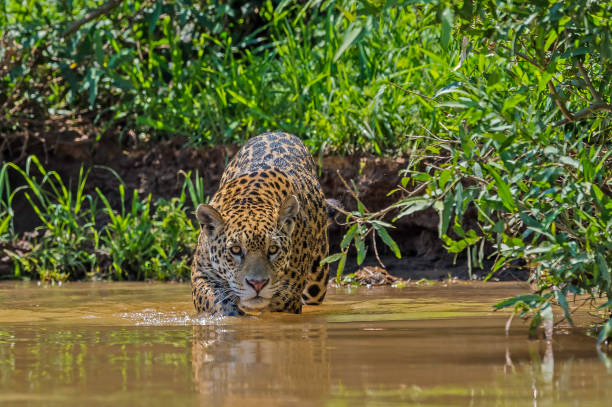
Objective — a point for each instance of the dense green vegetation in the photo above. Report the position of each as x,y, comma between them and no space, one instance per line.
325,71
82,236
524,137
503,107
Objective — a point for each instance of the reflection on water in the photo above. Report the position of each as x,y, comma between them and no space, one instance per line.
230,365
139,344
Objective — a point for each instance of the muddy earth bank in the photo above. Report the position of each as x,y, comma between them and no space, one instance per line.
158,169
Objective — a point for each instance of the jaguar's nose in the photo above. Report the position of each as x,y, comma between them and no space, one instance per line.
257,285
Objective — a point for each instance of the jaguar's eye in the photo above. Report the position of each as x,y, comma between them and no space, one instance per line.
272,250
236,250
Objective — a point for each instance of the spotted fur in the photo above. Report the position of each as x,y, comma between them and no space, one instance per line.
267,224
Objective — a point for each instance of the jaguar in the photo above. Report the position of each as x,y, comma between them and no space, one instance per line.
263,234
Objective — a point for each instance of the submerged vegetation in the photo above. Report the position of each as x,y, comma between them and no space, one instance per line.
503,108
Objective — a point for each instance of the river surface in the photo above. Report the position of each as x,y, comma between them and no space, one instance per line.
133,344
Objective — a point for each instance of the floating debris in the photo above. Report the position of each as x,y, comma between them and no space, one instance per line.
374,276
368,276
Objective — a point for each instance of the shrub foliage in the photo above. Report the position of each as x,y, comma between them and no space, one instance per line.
523,136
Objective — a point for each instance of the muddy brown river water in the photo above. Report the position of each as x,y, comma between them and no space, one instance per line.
132,344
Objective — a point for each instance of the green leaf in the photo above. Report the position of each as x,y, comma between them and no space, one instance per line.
4,224
154,16
607,304
477,170
348,236
569,161
447,25
534,325
572,52
332,258
503,190
384,235
349,37
360,245
444,177
603,267
341,266
605,333
530,299
412,205
361,208
445,215
563,303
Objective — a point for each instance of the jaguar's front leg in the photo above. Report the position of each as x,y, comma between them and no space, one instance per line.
287,297
213,296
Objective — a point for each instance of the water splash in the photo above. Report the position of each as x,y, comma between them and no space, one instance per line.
150,317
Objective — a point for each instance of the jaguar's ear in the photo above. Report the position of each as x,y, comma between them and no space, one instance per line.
287,213
210,219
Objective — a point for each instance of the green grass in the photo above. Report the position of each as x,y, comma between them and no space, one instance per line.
82,236
333,72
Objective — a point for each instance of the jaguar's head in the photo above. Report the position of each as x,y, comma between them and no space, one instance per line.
249,246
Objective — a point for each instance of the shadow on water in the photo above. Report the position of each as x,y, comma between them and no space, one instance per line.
138,344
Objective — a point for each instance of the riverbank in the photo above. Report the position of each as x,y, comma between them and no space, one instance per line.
160,169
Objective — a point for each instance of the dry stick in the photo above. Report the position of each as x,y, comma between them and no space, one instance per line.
410,91
509,323
353,194
103,9
376,250
525,57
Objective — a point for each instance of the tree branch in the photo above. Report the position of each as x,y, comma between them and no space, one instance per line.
557,99
587,111
525,57
103,9
589,84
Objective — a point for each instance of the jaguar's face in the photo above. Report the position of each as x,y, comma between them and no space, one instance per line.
252,254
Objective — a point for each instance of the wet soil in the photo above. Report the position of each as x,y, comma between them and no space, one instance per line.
158,169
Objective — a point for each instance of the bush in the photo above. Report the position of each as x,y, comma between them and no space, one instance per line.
79,239
333,72
524,138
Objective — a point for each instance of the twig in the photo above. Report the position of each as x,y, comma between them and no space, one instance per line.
353,194
508,324
433,136
103,9
589,84
568,116
339,209
376,251
587,111
417,190
410,91
525,57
